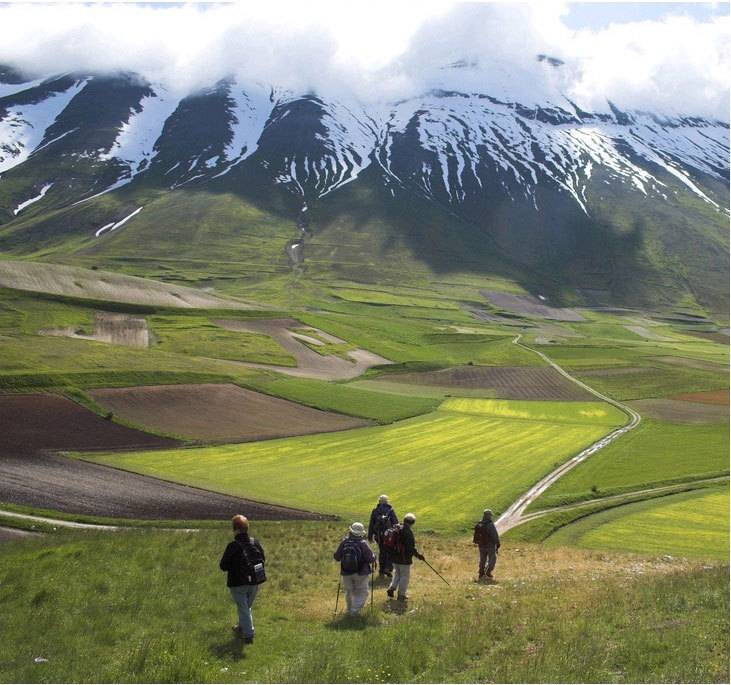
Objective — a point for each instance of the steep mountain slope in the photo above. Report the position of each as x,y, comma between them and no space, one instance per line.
513,177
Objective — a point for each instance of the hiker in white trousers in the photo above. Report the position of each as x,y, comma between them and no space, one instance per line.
355,557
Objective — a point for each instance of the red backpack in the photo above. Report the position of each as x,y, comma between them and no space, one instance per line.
392,538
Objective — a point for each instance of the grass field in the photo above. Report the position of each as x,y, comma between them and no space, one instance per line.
694,524
445,466
384,407
147,606
655,452
199,337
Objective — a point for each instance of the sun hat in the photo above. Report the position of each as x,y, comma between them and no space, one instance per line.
357,530
409,518
382,499
487,513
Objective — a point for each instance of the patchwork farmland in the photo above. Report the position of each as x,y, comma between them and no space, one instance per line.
289,415
449,459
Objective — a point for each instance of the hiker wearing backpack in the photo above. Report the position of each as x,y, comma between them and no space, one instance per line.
383,517
488,542
243,560
401,545
355,557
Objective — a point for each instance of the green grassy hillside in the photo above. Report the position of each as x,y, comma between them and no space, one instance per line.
152,607
692,524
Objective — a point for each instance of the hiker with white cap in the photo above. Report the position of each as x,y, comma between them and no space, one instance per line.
400,542
488,542
355,557
382,518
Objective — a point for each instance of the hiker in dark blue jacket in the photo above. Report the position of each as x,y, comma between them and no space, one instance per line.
382,518
488,542
355,557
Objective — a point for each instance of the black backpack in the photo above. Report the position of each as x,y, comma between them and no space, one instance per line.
481,537
380,525
352,558
252,563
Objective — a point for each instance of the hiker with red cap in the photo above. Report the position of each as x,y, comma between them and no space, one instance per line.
356,558
243,560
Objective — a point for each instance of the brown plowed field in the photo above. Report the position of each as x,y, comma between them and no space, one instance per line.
218,412
508,382
32,423
706,397
32,426
527,305
681,412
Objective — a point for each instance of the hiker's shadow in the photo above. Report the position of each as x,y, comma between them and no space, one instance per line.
231,649
395,606
345,622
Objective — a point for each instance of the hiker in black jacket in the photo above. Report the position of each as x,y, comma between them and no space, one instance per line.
402,558
243,559
382,518
488,542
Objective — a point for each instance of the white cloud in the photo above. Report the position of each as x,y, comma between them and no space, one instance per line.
383,49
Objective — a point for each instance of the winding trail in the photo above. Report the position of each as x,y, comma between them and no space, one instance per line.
514,514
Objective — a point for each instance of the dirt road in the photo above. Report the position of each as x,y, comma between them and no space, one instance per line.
514,514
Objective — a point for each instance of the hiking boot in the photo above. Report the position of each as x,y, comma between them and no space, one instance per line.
388,574
249,640
403,598
237,632
389,592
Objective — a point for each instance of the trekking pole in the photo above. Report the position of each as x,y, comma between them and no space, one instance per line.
337,598
435,571
373,568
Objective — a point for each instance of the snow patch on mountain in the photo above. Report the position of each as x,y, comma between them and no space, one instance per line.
335,157
113,226
7,89
134,145
27,203
249,110
23,127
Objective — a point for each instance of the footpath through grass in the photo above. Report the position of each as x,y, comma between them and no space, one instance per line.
691,523
151,606
446,466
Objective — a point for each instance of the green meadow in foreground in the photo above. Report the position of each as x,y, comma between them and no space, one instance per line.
688,524
151,606
654,453
445,466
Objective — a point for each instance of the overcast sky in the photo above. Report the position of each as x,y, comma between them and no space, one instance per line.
671,57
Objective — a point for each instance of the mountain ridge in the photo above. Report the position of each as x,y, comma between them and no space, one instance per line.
549,185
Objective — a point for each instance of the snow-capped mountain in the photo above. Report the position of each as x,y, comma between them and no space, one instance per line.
551,183
448,145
